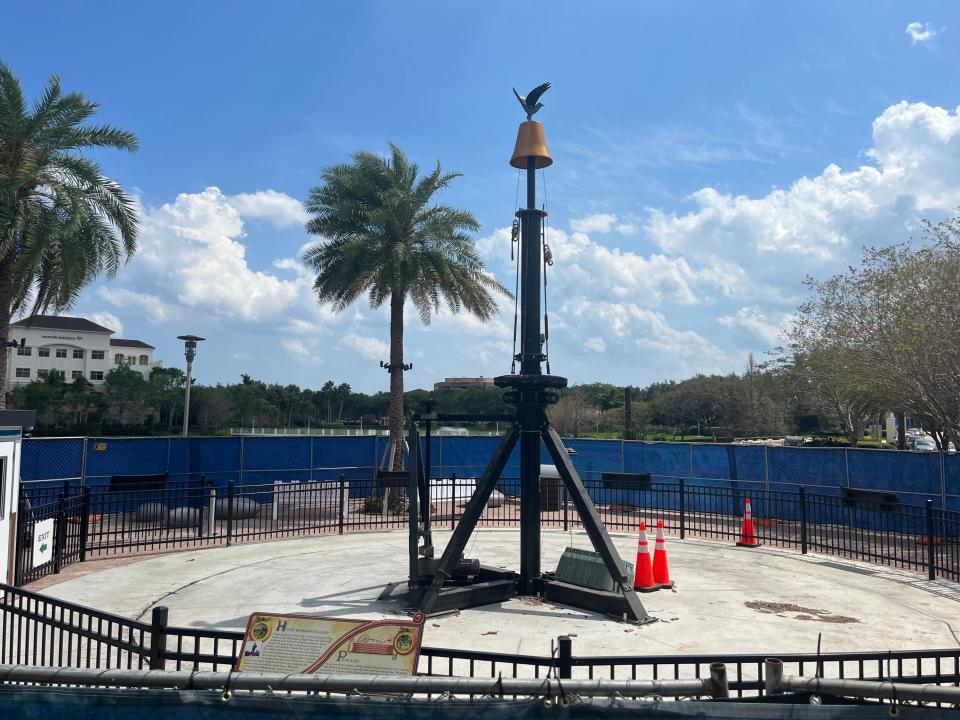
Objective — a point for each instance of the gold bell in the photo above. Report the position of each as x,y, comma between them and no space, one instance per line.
531,142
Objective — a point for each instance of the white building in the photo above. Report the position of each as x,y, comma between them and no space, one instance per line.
73,347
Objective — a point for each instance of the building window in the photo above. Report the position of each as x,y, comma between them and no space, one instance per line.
21,350
61,352
132,360
23,372
43,352
144,360
74,374
96,374
118,359
97,354
42,373
78,354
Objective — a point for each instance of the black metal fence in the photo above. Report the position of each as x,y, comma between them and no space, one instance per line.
101,522
39,630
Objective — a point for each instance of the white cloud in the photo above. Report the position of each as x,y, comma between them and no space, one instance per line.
819,223
108,320
602,223
369,347
192,248
920,32
646,336
598,223
295,346
755,321
155,309
275,207
588,268
596,344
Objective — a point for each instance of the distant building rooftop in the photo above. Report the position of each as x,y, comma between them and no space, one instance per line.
61,322
463,383
120,342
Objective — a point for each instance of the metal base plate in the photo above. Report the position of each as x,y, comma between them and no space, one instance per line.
490,585
610,603
495,585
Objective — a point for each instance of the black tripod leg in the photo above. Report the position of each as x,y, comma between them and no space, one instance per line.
423,483
592,523
471,514
588,513
413,538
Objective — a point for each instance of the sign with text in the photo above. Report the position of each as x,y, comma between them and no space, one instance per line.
43,542
304,644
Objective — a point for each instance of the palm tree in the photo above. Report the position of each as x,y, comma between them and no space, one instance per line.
62,223
383,238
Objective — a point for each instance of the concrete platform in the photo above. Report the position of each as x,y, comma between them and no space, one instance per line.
727,599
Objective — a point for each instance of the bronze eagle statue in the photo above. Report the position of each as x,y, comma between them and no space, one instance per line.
530,101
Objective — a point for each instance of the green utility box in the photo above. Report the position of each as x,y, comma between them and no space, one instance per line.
586,569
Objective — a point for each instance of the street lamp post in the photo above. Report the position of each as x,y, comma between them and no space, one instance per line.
190,351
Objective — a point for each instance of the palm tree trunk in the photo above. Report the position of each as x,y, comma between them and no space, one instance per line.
6,277
396,380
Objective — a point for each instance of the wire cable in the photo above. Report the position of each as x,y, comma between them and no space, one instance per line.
515,236
547,260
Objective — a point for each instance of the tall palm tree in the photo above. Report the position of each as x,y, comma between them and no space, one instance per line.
383,238
62,223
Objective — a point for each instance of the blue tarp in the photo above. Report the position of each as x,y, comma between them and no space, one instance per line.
914,477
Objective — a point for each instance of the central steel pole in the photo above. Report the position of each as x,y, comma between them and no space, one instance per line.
529,409
186,400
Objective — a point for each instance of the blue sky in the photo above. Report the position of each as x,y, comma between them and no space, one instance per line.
707,157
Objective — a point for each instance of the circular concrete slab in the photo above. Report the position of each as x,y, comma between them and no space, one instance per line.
727,599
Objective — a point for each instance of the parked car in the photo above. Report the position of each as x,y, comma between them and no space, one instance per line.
923,444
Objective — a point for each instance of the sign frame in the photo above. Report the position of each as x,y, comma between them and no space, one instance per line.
347,637
43,541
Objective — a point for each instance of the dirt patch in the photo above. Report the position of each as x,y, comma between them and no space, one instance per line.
800,612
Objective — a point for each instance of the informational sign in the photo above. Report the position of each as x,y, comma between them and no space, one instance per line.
100,446
304,644
43,542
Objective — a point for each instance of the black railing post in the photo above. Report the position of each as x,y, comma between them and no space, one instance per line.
564,657
229,513
566,510
683,509
201,486
340,511
60,531
84,521
23,540
158,637
453,500
931,548
803,519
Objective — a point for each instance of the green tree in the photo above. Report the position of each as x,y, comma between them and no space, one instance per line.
126,391
383,238
165,388
62,222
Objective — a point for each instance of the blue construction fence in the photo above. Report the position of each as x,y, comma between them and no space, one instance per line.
913,476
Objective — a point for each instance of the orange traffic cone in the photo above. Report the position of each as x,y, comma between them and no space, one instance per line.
643,576
748,537
661,570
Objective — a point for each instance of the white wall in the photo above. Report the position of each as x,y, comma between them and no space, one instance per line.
10,451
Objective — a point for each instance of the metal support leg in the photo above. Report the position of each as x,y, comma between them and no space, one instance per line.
413,487
592,523
471,514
